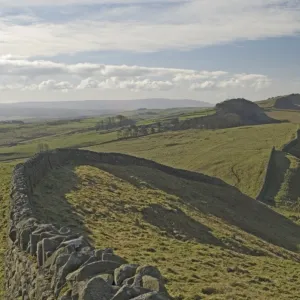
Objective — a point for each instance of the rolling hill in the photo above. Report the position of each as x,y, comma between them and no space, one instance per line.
287,102
75,109
236,155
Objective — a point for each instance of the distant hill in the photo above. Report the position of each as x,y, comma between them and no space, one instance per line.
248,112
71,109
289,102
231,113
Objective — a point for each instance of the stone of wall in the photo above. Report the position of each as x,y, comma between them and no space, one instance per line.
44,262
288,146
262,193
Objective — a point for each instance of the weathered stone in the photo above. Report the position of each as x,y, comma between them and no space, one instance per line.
153,284
124,272
90,270
96,289
113,257
128,292
74,262
98,254
148,270
149,277
128,281
75,244
109,278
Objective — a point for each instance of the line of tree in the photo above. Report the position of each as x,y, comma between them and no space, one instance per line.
135,131
114,122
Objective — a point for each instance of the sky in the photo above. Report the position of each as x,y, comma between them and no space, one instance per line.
208,50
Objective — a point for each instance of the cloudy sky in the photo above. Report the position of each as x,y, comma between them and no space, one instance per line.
206,50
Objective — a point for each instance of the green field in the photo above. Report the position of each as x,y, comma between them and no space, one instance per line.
237,155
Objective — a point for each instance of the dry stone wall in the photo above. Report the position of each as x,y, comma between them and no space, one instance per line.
271,165
288,146
44,262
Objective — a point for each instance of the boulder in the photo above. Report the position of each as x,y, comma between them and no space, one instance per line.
109,278
128,292
96,289
73,263
113,257
124,272
92,269
149,277
153,284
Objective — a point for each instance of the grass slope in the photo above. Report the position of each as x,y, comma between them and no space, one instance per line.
292,116
5,175
210,242
236,155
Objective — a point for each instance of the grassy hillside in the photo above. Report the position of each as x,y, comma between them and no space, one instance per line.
292,116
5,176
210,242
236,155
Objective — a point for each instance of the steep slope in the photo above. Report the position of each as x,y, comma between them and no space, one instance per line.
209,240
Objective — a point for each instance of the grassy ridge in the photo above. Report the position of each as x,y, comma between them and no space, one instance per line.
236,155
194,232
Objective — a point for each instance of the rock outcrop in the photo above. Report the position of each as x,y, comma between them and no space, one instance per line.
230,113
44,262
248,112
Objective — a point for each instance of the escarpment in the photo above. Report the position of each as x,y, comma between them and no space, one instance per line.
47,262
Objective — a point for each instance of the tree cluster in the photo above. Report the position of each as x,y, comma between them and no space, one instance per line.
136,131
114,122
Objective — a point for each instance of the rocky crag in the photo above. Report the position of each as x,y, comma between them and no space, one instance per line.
44,262
230,113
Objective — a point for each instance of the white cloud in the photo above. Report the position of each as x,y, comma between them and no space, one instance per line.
206,85
255,81
63,86
43,75
192,24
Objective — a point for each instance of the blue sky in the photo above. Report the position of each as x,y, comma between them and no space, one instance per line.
98,49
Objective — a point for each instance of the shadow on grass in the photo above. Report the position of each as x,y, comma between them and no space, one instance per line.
50,204
224,202
278,170
176,224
